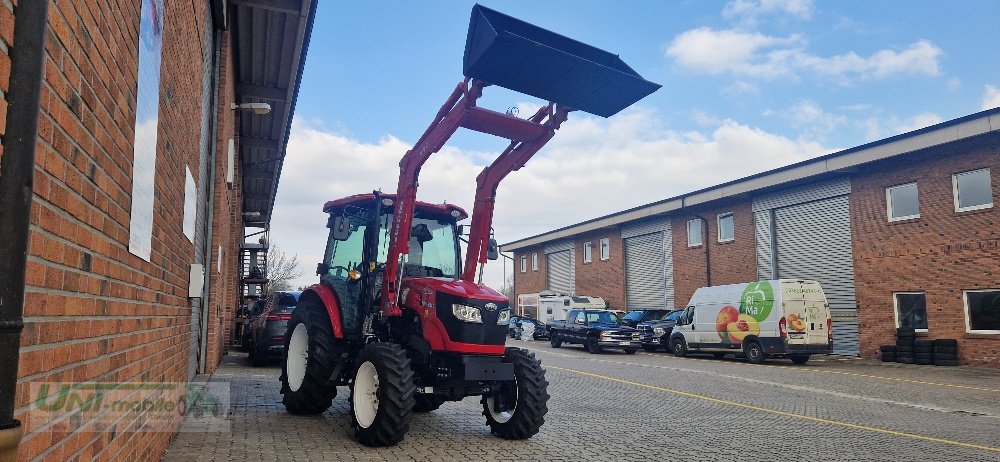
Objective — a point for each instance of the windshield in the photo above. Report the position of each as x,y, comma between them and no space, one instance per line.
433,249
602,317
673,315
635,316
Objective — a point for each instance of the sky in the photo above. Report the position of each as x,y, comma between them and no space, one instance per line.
748,86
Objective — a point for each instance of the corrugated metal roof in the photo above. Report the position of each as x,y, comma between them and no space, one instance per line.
838,163
271,39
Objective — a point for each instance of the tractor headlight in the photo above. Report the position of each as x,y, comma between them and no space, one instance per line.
503,317
467,313
659,330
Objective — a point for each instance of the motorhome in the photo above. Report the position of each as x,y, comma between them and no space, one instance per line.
548,305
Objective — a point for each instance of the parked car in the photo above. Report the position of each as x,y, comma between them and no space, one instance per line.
777,318
634,317
267,331
250,314
516,326
596,330
655,334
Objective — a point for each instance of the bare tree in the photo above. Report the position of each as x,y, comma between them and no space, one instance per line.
507,288
282,269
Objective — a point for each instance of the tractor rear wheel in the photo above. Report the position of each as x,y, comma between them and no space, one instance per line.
311,353
529,394
382,395
426,403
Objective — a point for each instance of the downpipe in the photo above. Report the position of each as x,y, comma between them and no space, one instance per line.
16,190
210,214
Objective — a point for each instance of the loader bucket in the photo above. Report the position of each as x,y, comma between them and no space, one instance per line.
513,54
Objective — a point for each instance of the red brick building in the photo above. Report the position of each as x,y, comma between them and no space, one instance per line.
133,238
900,232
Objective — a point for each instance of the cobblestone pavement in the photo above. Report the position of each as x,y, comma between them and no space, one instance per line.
651,406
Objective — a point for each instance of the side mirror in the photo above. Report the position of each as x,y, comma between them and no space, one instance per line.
461,230
341,228
322,268
491,251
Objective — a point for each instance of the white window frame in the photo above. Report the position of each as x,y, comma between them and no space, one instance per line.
968,319
605,249
895,306
524,263
954,189
588,252
888,202
689,235
534,261
718,225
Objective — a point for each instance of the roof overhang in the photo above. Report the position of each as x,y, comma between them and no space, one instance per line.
839,163
270,39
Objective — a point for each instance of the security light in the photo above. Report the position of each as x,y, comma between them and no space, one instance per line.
257,108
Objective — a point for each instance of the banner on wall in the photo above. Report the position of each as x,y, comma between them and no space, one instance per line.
147,110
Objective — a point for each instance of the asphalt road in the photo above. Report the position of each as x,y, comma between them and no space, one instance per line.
652,406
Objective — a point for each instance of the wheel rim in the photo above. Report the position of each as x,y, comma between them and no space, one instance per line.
678,347
298,357
753,352
365,399
504,416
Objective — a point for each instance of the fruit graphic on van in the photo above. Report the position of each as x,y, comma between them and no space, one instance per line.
727,315
744,326
796,323
757,300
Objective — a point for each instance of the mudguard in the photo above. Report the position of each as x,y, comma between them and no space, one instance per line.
329,299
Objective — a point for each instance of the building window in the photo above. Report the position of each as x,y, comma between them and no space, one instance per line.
694,232
911,310
588,252
534,262
901,202
982,311
605,249
973,190
727,232
524,263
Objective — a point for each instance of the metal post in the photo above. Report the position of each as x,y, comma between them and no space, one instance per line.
16,181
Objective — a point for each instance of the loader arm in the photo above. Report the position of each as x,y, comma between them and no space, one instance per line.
511,159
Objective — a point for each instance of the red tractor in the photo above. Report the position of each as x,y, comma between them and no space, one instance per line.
396,316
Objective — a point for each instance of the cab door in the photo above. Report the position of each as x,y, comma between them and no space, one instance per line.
685,326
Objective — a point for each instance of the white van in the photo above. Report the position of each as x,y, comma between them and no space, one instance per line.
776,318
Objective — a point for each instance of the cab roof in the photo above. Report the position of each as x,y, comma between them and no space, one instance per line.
366,199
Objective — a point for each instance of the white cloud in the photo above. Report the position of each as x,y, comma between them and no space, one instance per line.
991,97
741,90
592,167
810,119
749,10
753,54
876,128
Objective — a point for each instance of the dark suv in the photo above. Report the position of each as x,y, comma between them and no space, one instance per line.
656,333
267,331
634,317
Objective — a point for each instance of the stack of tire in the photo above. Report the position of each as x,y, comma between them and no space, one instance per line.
905,336
888,353
923,352
945,352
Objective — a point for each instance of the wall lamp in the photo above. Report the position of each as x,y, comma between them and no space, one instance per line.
257,108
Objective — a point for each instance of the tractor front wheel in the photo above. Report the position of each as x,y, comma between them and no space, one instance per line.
382,395
311,352
515,411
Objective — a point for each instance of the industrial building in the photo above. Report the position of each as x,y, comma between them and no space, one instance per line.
142,141
899,232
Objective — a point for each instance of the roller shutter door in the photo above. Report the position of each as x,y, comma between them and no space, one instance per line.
559,272
813,241
645,281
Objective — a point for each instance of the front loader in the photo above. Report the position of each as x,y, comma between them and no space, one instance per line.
396,315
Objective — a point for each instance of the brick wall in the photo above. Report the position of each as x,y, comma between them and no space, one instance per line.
529,282
94,311
941,253
599,278
732,262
